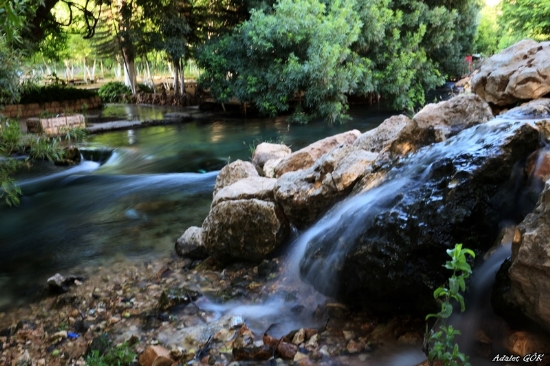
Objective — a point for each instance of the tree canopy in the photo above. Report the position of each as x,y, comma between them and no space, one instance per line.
316,53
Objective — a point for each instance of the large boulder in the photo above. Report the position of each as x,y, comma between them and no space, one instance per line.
306,157
234,172
377,139
244,230
530,268
449,117
306,194
519,73
384,249
267,151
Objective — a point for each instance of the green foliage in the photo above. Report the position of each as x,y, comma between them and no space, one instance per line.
122,355
8,188
300,50
144,88
77,134
9,78
112,92
33,93
10,136
45,148
439,341
526,17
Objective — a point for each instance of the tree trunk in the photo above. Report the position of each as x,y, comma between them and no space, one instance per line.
84,71
182,77
129,70
150,78
176,65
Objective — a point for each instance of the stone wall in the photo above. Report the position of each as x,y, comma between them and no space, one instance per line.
56,125
34,109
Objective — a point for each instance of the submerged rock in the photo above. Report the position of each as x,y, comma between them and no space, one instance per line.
384,249
244,230
306,157
520,72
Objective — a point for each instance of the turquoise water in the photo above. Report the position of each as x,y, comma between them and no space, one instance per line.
157,182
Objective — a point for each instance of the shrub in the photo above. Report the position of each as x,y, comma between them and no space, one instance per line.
51,93
122,355
112,92
144,88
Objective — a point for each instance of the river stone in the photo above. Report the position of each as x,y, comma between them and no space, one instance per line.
244,230
518,73
539,108
384,250
306,157
378,138
267,151
247,188
234,172
452,116
190,244
530,268
306,194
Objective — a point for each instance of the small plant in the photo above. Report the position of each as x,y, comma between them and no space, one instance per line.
46,148
439,341
122,355
76,134
8,188
46,114
112,92
10,136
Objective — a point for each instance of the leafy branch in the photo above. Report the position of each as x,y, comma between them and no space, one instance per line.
439,340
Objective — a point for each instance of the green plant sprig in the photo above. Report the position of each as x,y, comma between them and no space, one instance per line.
439,340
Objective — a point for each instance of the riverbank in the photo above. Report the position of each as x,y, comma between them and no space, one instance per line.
120,303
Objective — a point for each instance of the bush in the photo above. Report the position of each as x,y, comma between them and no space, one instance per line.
144,88
113,91
33,93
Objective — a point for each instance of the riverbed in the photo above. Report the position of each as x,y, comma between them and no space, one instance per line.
147,186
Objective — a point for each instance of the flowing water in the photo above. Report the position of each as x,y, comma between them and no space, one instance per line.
143,189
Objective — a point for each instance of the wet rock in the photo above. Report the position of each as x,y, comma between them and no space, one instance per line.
286,351
529,272
267,268
390,242
190,244
59,283
299,337
260,353
177,296
450,117
306,194
539,108
247,188
523,343
234,172
244,230
267,151
518,73
354,347
156,356
307,156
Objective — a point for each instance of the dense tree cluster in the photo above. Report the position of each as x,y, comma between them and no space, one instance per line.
317,53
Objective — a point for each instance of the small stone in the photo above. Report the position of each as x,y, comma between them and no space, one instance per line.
24,359
348,335
354,347
155,356
299,337
299,356
41,362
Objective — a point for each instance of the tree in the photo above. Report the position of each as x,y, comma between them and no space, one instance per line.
530,17
299,51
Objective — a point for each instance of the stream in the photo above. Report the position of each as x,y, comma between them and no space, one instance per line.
136,196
